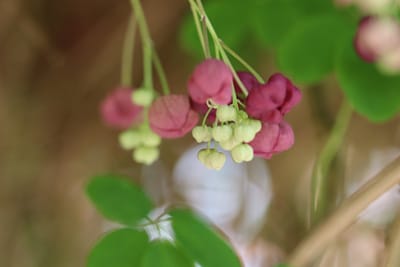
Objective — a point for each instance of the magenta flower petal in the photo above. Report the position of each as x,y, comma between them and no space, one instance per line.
248,80
273,138
170,116
366,53
293,94
211,79
117,109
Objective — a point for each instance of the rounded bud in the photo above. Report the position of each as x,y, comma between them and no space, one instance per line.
201,134
226,113
229,144
146,155
203,154
256,125
242,152
215,160
130,139
222,133
143,97
149,138
245,132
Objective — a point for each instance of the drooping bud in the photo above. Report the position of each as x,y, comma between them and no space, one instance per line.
222,133
230,144
150,139
146,155
130,139
226,113
247,130
211,158
143,97
202,134
242,153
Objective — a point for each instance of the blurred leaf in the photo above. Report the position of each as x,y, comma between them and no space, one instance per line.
308,52
165,254
228,20
121,248
371,93
282,265
201,242
271,20
118,199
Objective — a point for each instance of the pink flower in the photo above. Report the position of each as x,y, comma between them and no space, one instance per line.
117,109
376,37
249,81
202,110
211,79
170,116
273,138
271,101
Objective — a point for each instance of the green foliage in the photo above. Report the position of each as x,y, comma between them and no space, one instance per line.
308,51
282,265
371,93
201,242
121,248
165,254
118,199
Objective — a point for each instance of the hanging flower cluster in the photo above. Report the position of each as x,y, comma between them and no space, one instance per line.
246,123
378,40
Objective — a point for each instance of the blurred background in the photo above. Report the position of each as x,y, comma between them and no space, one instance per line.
58,60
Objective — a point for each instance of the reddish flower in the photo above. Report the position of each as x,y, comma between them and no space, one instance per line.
271,101
366,53
118,110
211,79
249,81
273,138
170,116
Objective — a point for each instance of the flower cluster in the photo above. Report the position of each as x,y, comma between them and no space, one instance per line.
378,40
146,119
246,122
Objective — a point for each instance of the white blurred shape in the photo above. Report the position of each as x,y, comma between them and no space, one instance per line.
260,254
161,230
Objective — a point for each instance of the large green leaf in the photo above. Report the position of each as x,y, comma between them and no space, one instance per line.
371,93
201,242
165,254
308,52
118,199
121,248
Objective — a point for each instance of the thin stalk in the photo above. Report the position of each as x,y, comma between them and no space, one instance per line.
393,259
127,53
319,183
242,61
198,27
146,43
161,73
344,216
205,37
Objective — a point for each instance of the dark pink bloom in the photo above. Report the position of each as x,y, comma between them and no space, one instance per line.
170,116
118,110
273,138
211,79
362,48
249,81
269,102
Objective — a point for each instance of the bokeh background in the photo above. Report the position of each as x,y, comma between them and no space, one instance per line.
57,62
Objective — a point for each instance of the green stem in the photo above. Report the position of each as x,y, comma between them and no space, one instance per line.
161,73
127,53
323,165
146,43
345,216
198,27
242,61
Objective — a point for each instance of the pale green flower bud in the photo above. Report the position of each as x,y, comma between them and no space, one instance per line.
143,97
146,155
256,125
229,144
222,133
215,160
242,115
203,154
201,134
149,138
242,152
130,139
226,113
244,132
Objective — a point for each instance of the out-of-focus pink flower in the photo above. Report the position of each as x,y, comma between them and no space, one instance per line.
171,116
273,138
118,110
211,79
272,100
376,37
249,81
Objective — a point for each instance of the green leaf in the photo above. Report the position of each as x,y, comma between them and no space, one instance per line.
165,254
371,93
121,248
201,242
282,265
308,52
118,199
